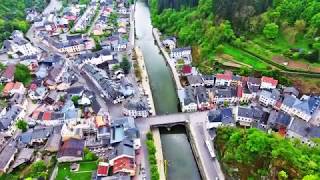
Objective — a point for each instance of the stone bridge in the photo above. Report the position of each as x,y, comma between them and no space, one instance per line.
168,120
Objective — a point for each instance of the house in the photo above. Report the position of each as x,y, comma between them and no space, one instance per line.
208,80
303,130
268,98
13,88
38,93
202,98
36,136
180,52
268,83
279,120
169,42
288,103
71,131
253,85
224,95
244,116
124,165
307,107
8,74
123,149
18,46
103,169
75,91
136,108
7,157
187,99
195,80
223,79
71,150
24,156
220,117
96,58
291,91
7,121
53,143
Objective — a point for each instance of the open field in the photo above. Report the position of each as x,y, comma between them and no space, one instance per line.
84,173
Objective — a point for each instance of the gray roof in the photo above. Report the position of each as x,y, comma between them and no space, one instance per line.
290,100
221,115
125,147
136,105
181,49
225,92
189,95
279,118
12,113
194,79
24,156
245,112
309,105
291,90
201,94
254,81
6,154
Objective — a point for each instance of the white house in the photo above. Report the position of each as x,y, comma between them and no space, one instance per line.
187,98
96,57
268,83
170,42
307,107
288,103
244,116
223,79
180,52
269,98
135,109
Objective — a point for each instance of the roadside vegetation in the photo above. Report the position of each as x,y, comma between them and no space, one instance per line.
154,174
254,154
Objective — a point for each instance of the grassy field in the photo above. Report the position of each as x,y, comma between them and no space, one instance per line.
84,173
244,57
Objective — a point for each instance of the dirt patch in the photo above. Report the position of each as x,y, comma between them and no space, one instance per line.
292,64
306,85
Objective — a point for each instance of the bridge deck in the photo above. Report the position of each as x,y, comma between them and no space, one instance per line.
168,119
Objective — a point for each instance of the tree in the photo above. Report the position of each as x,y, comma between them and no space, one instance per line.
220,49
38,169
22,125
22,74
271,30
315,21
75,99
300,25
282,175
125,65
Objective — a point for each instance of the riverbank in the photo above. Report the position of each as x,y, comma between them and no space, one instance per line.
156,35
145,79
159,154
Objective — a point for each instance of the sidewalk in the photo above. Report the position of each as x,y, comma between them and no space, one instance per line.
159,155
145,79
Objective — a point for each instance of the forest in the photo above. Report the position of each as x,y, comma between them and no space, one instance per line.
12,15
253,154
276,32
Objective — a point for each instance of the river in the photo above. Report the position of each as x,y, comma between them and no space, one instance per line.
175,145
162,85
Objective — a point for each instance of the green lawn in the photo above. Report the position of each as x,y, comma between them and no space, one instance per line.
244,57
84,173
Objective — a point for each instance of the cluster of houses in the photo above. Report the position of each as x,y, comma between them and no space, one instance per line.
245,101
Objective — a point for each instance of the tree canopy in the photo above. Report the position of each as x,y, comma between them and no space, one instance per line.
22,74
22,125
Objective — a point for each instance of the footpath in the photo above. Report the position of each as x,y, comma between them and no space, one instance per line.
145,79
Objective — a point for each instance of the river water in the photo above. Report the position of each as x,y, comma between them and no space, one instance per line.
175,145
162,85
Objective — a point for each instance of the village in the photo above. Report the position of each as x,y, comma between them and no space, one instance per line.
82,104
235,100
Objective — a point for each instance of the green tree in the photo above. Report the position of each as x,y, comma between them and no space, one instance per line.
300,25
271,30
38,169
75,99
315,21
220,49
125,65
22,74
282,175
22,125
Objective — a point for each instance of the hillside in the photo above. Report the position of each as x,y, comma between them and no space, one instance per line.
281,34
253,154
12,15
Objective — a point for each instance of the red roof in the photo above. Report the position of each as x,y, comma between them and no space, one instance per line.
46,115
7,88
239,91
226,76
102,170
9,72
269,80
123,164
186,69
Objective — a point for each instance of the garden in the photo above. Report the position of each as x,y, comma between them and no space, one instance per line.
84,172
